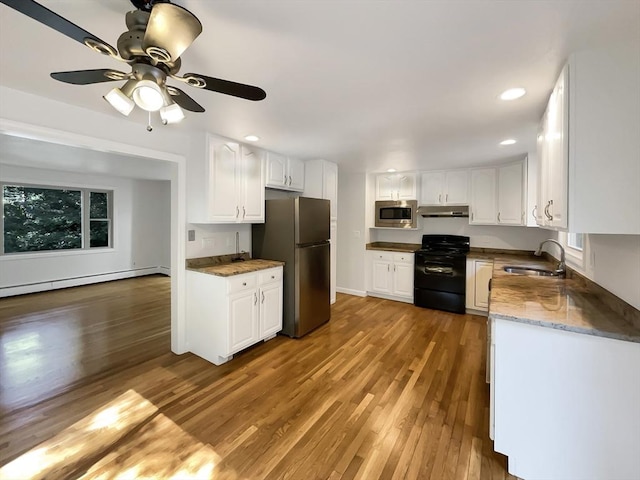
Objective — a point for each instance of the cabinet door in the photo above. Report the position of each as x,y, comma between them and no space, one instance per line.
484,271
386,187
296,174
510,194
223,184
456,190
277,176
483,196
381,271
252,186
406,184
541,149
330,187
431,188
243,320
403,279
556,178
270,309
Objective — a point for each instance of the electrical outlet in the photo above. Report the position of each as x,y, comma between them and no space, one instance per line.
208,242
191,235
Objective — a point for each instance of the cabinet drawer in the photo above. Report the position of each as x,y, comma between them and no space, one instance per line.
381,255
240,283
270,275
403,257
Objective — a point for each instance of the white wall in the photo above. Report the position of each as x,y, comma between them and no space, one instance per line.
212,240
351,233
482,236
141,230
151,224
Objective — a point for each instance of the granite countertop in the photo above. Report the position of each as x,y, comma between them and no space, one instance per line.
222,265
394,246
562,303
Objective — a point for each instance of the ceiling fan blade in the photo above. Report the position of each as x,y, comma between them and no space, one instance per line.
184,100
227,87
170,31
51,19
87,77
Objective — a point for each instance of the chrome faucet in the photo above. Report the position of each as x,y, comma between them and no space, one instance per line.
561,268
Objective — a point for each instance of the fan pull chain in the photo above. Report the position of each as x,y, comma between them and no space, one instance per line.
149,127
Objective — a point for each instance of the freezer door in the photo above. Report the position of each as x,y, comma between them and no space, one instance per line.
313,287
312,224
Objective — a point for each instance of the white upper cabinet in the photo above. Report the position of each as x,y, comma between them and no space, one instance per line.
511,179
284,173
226,183
445,188
321,181
498,194
396,186
251,186
483,196
590,157
554,156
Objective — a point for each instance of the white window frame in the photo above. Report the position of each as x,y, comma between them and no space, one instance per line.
85,193
575,257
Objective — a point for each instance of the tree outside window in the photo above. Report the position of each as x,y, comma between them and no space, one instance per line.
39,218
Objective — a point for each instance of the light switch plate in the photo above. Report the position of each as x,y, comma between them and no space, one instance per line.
191,235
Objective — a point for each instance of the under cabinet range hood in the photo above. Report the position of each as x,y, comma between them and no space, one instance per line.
444,211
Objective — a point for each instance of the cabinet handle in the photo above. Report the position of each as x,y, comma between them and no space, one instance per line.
472,216
440,198
244,284
244,212
498,217
289,180
262,297
272,277
533,212
446,198
546,210
394,268
388,268
237,211
255,298
285,180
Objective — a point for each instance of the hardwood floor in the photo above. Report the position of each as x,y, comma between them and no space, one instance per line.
384,390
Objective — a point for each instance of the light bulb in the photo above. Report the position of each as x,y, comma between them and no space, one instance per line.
148,96
171,114
119,101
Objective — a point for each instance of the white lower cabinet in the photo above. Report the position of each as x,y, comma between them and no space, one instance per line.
564,404
228,314
477,292
392,275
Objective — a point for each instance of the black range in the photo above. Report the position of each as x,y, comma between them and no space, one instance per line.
440,272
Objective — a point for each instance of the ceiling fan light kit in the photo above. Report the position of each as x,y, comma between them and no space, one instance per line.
159,32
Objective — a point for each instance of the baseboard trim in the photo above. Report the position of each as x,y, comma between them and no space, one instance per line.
349,291
79,281
473,311
390,297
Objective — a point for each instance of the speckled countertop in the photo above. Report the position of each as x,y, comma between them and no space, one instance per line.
223,267
394,246
563,303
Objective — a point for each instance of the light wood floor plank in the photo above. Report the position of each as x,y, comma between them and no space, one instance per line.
385,390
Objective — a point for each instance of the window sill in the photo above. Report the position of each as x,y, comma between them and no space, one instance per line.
55,253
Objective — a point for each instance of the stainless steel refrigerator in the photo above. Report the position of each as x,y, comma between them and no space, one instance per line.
296,231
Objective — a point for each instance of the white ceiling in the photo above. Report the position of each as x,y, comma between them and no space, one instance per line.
370,84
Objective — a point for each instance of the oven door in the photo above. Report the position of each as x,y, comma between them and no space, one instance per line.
440,272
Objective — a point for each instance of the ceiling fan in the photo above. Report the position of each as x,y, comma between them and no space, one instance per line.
158,34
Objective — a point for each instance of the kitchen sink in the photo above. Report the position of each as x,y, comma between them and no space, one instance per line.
540,272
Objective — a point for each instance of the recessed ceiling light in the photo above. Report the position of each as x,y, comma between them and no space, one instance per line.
512,93
391,170
252,138
509,141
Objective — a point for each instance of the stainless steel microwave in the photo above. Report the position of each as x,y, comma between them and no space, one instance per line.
397,214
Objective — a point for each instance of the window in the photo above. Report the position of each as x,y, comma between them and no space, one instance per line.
575,241
37,218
